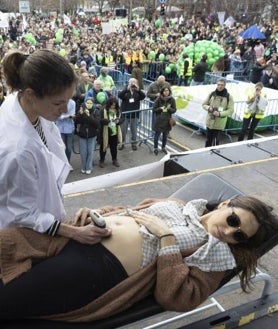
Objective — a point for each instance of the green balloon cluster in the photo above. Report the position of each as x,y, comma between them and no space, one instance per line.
170,68
212,49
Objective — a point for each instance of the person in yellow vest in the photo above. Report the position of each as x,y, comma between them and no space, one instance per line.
256,105
128,60
137,56
185,71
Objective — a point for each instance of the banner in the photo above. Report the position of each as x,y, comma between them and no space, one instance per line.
189,101
221,17
24,6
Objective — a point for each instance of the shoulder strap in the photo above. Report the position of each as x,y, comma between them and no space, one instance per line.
213,94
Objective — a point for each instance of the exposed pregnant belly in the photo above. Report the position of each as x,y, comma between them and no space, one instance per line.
125,242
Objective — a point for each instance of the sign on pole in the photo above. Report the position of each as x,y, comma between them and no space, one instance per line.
24,6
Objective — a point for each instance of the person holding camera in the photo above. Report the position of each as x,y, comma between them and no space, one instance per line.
131,97
256,105
110,134
164,106
87,120
219,105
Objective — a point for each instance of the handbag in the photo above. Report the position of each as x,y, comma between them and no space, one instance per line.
172,122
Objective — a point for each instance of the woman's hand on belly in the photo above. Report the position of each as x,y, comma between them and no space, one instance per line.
153,223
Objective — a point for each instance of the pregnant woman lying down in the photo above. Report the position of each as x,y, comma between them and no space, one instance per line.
175,251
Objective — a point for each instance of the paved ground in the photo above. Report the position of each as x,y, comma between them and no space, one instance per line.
183,138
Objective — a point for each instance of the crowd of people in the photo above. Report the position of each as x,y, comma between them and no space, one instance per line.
141,48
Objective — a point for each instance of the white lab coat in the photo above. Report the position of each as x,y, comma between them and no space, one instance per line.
31,175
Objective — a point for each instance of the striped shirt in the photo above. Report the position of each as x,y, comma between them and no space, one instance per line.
37,125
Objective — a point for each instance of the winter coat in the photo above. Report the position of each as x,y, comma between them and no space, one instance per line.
224,104
87,125
162,117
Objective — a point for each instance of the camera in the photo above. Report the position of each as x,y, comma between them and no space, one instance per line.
212,109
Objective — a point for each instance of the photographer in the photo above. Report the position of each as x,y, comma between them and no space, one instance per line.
87,120
256,105
131,97
111,133
219,104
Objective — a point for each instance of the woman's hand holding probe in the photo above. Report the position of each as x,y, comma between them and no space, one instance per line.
85,233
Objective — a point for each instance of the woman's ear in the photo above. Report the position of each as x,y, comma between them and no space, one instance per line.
29,94
224,204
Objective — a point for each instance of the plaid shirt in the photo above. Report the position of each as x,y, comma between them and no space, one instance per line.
184,222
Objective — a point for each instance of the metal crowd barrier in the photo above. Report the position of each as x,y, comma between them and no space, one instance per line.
121,78
116,75
151,71
270,120
230,76
144,126
234,123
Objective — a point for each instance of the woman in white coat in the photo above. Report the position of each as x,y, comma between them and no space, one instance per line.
32,156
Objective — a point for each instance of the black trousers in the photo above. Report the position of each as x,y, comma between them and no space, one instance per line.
75,277
212,137
113,145
250,123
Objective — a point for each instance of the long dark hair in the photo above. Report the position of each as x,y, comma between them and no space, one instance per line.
246,254
113,100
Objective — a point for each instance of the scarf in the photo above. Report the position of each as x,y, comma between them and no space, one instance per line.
106,132
222,93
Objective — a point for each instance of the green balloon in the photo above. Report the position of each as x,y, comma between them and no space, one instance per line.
157,23
211,61
172,66
101,97
152,55
168,69
63,52
161,57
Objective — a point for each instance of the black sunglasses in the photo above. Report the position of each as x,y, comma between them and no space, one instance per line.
234,221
